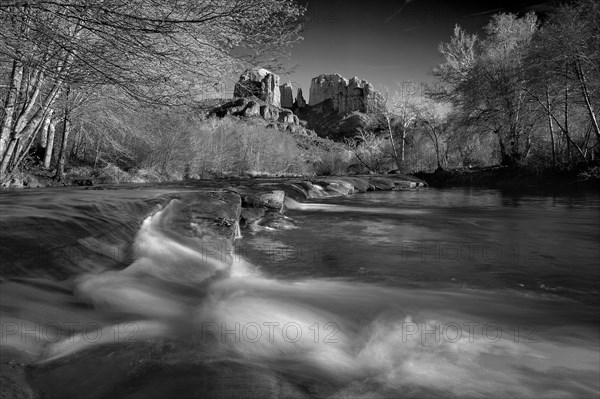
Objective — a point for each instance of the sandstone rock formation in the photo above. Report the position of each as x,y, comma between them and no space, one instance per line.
287,97
272,117
259,83
300,102
347,95
327,122
338,106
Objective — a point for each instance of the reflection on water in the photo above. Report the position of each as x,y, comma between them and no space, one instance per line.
354,303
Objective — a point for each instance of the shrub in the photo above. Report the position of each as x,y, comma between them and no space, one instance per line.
112,174
230,146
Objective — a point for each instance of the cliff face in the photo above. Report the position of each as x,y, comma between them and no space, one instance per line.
347,95
327,122
259,83
300,102
337,108
287,97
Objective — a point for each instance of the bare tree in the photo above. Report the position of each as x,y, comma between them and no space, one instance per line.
153,51
483,79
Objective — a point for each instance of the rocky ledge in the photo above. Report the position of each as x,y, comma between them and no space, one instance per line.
263,203
268,115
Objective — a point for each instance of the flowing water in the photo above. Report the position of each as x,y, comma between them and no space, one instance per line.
429,293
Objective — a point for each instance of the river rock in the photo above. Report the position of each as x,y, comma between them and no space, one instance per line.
381,183
291,189
259,83
346,184
360,185
272,199
250,215
313,190
277,221
212,213
336,187
407,181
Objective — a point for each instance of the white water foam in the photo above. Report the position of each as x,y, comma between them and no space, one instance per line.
337,331
295,205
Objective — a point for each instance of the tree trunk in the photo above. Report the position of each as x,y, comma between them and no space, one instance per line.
566,122
504,157
564,129
9,106
50,145
437,152
26,146
30,103
586,97
8,155
551,128
62,155
402,145
399,166
45,126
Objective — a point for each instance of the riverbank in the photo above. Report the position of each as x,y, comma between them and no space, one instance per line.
514,178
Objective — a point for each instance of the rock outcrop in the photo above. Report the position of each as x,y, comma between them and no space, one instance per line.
271,116
347,95
287,97
259,83
338,107
300,102
327,122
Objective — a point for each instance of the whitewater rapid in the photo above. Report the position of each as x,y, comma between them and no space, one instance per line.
361,339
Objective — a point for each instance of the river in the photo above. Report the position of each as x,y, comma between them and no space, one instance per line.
399,294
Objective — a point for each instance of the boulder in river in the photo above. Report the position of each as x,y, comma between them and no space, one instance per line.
381,183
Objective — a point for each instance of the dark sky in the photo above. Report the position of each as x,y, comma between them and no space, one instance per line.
386,41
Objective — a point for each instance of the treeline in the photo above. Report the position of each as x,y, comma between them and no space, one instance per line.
525,94
72,69
112,89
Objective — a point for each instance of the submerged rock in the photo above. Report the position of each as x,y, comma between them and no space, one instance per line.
277,221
